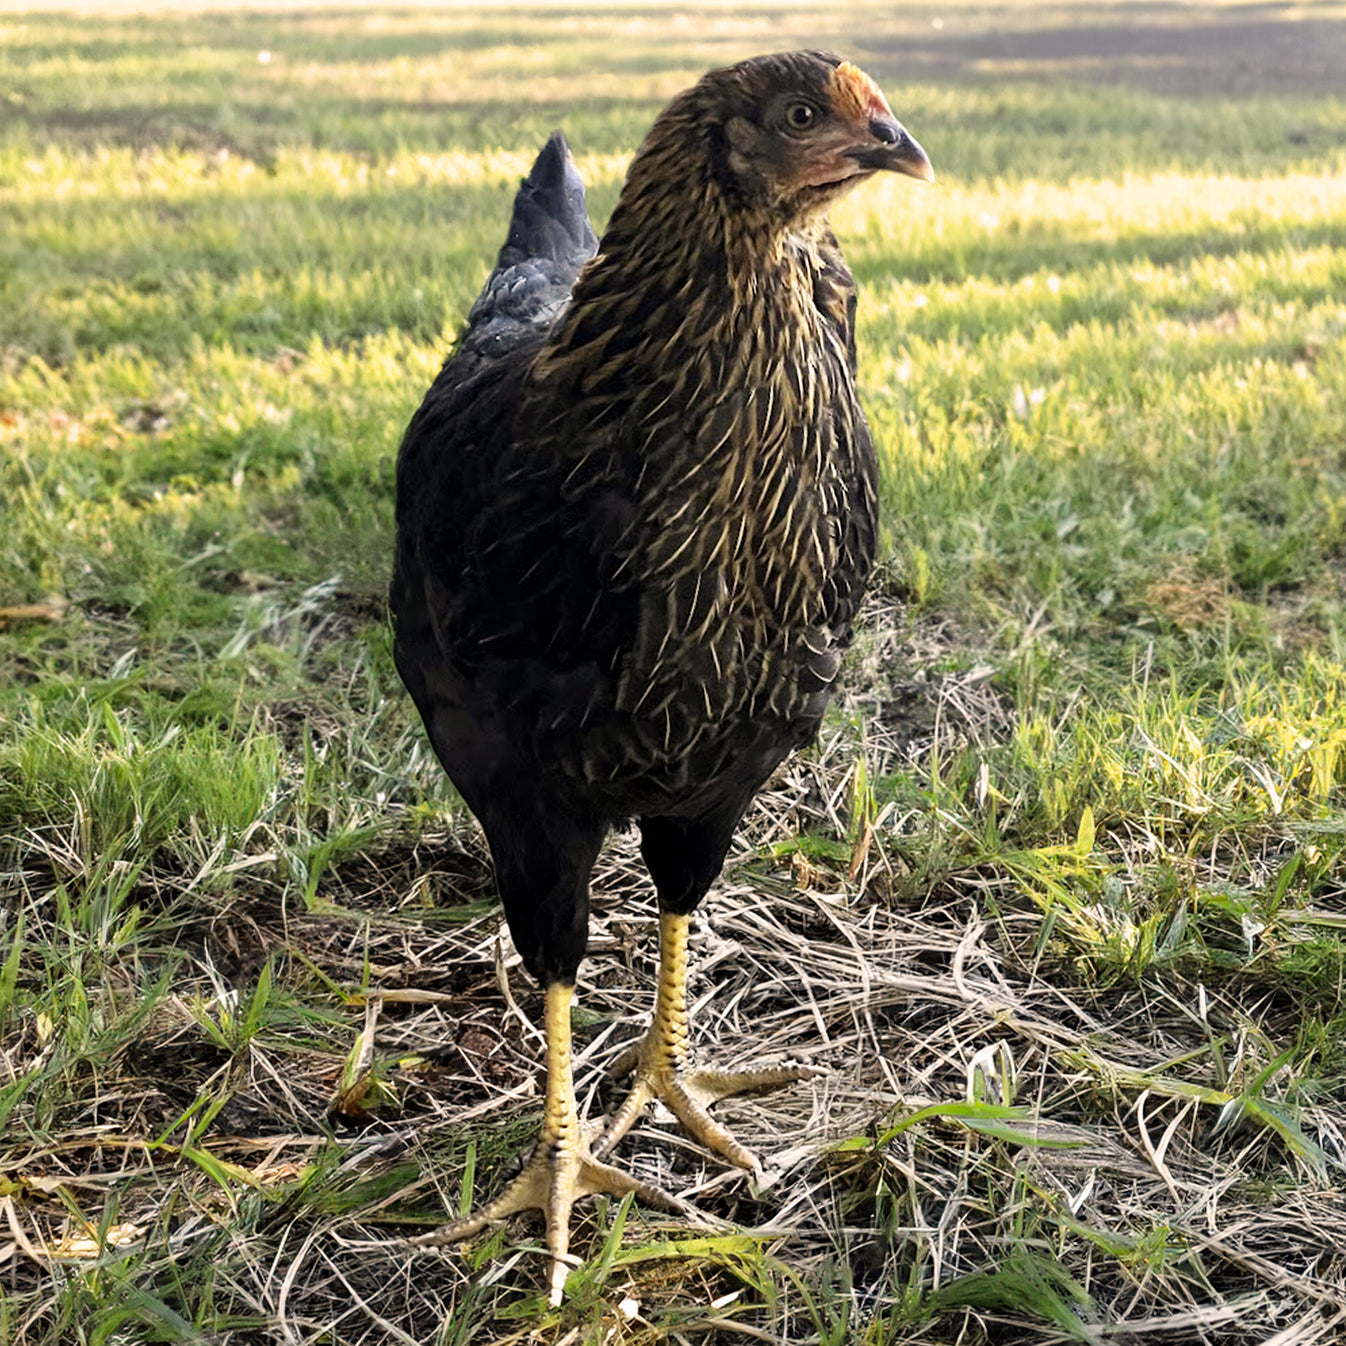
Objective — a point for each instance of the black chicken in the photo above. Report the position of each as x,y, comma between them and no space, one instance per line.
635,515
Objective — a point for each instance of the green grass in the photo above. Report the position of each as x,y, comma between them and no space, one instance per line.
1093,748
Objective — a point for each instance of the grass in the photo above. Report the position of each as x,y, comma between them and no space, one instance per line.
1058,901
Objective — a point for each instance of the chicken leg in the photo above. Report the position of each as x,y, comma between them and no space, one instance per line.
562,1167
660,1063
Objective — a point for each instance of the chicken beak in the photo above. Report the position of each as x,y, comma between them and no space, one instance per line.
894,149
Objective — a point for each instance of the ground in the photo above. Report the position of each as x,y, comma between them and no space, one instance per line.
1056,903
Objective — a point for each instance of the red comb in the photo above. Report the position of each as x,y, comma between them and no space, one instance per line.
855,93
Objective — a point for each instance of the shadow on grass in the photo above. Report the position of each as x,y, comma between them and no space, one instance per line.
1166,48
256,128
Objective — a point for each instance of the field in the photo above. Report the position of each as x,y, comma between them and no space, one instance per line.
1056,904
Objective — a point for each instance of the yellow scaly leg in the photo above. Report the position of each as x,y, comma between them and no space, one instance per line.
660,1063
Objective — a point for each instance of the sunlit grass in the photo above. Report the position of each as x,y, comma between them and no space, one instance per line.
1104,358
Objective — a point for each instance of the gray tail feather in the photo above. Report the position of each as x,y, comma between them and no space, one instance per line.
550,219
550,239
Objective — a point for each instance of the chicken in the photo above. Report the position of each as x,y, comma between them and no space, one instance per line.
636,513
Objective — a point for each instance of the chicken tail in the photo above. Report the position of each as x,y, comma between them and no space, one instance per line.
550,219
550,239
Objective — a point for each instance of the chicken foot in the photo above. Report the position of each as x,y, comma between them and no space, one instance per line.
562,1167
660,1061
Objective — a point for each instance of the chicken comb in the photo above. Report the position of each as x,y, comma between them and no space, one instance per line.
854,94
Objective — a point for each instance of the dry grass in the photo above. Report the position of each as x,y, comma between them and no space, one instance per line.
1118,1175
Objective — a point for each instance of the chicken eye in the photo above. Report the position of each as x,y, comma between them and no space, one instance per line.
800,116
